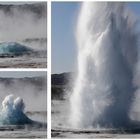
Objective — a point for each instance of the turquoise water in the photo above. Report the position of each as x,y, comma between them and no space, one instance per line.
13,48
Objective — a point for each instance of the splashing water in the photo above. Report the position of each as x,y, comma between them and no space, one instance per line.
107,55
13,112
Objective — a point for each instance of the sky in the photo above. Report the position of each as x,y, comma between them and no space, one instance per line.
64,17
21,74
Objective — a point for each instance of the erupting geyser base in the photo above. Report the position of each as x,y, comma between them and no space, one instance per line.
12,113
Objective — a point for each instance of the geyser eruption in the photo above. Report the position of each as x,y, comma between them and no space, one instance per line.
13,112
107,55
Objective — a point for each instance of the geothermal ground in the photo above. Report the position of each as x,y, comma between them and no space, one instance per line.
24,62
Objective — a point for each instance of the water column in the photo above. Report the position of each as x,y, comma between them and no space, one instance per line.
107,55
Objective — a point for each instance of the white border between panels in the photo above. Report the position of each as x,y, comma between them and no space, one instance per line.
49,69
94,0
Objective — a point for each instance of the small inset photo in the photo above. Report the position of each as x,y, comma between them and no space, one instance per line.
23,34
23,104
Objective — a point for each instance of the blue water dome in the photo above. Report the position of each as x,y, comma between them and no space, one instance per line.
13,48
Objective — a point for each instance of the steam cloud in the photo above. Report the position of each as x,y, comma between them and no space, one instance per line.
23,21
33,90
